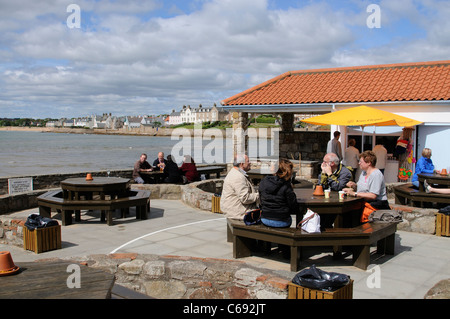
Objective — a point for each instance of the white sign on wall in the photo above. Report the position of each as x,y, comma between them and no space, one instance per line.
20,185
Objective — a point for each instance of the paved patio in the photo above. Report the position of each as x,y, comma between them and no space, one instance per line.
173,228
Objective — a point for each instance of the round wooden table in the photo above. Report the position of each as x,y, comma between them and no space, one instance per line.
350,207
74,188
346,212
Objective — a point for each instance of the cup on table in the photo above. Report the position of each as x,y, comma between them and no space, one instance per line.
327,193
341,195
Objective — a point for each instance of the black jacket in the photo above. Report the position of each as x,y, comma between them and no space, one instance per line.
172,173
278,200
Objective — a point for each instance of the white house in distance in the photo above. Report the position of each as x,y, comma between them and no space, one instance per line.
420,91
175,118
198,115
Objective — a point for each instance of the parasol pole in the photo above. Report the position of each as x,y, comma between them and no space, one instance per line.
362,139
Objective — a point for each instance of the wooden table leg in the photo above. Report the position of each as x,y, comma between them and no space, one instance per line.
45,211
109,219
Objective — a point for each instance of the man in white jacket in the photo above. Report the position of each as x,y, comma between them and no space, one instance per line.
238,194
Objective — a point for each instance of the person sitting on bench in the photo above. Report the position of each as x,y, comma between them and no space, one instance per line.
424,165
238,194
334,174
430,189
371,185
278,200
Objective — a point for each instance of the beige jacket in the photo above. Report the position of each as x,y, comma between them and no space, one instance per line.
238,195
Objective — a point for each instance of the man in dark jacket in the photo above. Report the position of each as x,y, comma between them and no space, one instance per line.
334,175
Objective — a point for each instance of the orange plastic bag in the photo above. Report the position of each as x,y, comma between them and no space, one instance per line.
368,209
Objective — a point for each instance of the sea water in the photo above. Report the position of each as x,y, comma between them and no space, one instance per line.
36,153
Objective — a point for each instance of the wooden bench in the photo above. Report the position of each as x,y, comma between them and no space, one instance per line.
406,194
359,238
53,200
208,170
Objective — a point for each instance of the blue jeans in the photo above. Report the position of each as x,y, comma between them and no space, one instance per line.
277,223
139,180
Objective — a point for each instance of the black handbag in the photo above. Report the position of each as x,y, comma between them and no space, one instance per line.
315,278
252,217
37,221
445,210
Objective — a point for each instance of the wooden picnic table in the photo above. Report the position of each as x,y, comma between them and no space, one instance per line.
349,208
208,170
433,179
257,174
346,212
74,188
49,280
156,174
103,193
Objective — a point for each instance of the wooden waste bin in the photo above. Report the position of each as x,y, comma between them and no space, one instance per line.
215,204
42,239
299,292
442,225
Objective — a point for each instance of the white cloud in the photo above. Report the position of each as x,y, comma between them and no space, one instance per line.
126,59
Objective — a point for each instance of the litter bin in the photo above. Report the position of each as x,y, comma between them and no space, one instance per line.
41,234
215,203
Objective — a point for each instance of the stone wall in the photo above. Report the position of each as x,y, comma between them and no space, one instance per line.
11,231
199,194
53,180
175,277
312,145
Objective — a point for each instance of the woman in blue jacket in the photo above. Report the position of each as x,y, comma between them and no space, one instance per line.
423,166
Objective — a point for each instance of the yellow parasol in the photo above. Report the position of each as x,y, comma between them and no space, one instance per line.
362,116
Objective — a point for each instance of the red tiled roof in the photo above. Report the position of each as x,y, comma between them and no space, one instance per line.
421,81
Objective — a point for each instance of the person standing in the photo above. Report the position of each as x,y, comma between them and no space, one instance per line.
351,157
334,146
141,166
238,193
381,154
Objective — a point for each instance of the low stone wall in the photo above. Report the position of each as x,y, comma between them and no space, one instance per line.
199,194
11,231
175,277
45,182
18,202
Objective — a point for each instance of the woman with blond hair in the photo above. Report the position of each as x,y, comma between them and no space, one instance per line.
424,165
278,200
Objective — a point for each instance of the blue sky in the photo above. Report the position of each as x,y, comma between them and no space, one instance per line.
145,57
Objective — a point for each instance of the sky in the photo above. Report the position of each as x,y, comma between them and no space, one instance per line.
78,58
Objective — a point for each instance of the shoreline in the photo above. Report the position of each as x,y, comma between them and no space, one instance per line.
161,132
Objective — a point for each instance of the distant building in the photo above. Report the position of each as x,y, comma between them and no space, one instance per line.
132,122
199,115
175,118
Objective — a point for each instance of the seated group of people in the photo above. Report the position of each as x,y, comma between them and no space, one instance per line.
171,172
276,196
